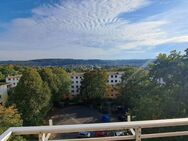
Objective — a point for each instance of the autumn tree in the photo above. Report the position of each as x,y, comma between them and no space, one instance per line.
9,117
31,97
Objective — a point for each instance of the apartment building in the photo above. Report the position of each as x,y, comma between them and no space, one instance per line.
3,93
76,79
114,79
13,80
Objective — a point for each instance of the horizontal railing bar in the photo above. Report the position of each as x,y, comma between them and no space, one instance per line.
100,126
103,127
6,135
143,136
114,138
163,135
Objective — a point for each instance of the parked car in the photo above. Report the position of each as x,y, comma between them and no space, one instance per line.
110,133
100,133
116,133
120,133
84,135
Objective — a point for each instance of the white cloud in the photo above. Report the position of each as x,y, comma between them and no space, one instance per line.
83,29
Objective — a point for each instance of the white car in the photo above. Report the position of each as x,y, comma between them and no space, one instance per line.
84,135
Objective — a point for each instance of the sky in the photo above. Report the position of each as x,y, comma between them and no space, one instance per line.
92,29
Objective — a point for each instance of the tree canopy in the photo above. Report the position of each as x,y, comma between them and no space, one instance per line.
9,117
159,91
94,85
31,97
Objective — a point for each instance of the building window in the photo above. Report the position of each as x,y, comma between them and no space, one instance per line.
112,81
76,77
72,77
76,81
77,86
77,91
112,76
115,80
72,91
115,76
72,86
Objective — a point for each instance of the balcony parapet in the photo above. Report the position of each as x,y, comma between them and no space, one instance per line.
135,126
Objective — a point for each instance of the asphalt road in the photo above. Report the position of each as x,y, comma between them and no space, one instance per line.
74,115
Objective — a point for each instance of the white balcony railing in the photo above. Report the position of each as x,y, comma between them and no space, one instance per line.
44,132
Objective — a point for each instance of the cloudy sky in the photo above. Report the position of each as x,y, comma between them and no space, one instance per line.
87,29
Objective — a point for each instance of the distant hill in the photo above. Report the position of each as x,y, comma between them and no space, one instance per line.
77,62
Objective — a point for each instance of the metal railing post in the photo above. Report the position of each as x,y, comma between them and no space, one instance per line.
138,132
49,134
42,137
129,120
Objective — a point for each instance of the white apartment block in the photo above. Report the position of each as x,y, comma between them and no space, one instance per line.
114,78
3,94
76,79
13,80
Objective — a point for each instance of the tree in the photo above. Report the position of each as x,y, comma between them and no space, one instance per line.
94,85
148,97
8,70
63,82
135,83
9,117
52,80
1,76
31,97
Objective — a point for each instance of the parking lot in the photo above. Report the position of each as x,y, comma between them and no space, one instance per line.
74,115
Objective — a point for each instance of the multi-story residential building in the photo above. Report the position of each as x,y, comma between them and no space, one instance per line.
114,78
76,79
3,93
13,80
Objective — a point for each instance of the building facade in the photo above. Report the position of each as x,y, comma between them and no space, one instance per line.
76,79
114,79
13,80
3,93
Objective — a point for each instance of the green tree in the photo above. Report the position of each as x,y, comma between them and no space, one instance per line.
9,117
31,97
63,83
135,83
94,85
2,76
51,79
8,70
